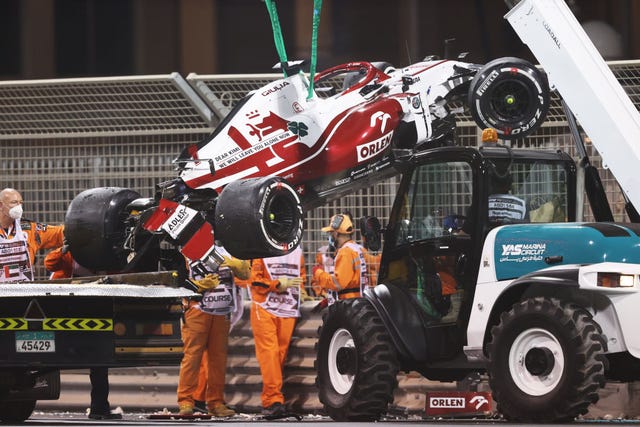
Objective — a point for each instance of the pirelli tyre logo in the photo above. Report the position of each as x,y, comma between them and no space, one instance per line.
76,324
13,324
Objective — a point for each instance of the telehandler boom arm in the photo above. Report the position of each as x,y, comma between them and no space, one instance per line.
583,79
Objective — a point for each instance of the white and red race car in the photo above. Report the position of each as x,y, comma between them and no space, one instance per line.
280,151
320,145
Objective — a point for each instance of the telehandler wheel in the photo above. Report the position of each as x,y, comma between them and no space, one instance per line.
357,364
16,411
510,95
258,218
546,361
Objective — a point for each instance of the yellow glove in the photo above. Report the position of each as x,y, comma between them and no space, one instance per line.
288,282
241,268
209,282
305,296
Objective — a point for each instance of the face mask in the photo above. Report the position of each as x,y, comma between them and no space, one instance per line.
16,212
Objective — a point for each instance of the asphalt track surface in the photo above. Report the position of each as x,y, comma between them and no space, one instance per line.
79,419
46,418
40,418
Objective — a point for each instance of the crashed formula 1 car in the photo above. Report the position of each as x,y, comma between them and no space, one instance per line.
285,148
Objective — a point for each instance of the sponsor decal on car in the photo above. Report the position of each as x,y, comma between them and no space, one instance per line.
382,116
178,220
371,149
298,128
274,88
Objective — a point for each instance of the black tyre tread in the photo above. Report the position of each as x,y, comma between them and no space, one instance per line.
16,411
95,227
501,125
590,357
377,379
238,222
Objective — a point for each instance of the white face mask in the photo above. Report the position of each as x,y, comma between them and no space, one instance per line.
16,212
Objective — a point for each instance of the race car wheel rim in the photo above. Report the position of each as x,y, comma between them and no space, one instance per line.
341,361
510,100
281,216
536,361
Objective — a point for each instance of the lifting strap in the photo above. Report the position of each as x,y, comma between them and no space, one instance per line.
317,6
279,41
277,35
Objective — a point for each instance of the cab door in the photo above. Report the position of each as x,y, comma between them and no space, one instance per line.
429,248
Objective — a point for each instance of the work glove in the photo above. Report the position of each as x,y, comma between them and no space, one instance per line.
288,282
305,296
207,283
241,268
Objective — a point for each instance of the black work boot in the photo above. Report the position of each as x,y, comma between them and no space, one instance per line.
274,411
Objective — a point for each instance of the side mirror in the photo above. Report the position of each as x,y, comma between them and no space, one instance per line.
370,229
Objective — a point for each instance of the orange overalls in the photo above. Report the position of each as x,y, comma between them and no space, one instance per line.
203,376
59,264
326,263
205,333
273,318
205,337
350,275
62,265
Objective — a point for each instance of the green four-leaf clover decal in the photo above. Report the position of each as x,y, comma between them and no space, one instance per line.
298,128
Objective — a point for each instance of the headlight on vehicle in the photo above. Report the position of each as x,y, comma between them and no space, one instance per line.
616,280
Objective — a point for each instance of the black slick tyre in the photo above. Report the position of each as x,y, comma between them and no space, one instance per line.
510,95
16,411
258,218
546,361
95,227
357,364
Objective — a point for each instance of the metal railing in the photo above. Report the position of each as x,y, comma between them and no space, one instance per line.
59,137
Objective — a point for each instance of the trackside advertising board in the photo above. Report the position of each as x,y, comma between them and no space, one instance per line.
453,403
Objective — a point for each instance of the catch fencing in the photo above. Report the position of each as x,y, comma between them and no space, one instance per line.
60,137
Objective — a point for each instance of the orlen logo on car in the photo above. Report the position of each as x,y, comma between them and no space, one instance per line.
373,148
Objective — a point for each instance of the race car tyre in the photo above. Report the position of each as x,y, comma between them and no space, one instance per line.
546,361
16,411
258,218
95,227
356,363
510,95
